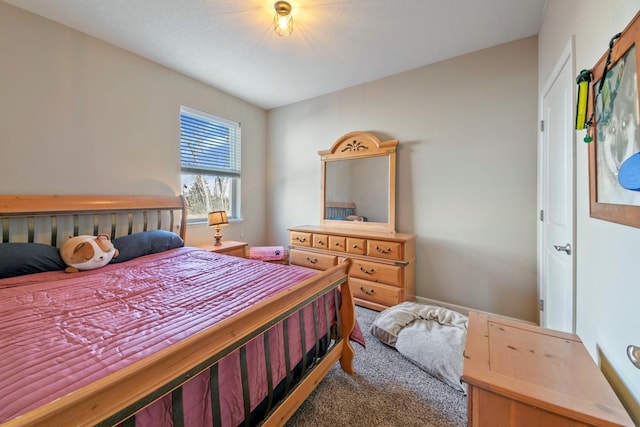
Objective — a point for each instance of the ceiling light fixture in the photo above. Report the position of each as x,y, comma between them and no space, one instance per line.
283,21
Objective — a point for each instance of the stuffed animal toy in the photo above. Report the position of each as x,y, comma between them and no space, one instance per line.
87,252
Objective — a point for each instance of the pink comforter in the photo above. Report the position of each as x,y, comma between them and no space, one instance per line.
60,331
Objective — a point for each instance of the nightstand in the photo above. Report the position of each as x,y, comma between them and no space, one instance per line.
227,247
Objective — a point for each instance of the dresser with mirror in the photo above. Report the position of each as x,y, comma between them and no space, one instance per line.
357,220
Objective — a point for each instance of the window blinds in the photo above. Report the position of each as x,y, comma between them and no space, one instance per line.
209,144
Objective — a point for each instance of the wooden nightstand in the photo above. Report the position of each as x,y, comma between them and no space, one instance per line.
227,247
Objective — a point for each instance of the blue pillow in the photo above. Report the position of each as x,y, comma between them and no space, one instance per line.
145,243
17,259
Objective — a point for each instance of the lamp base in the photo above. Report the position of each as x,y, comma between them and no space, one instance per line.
218,237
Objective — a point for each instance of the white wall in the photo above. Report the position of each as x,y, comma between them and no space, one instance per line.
608,289
466,170
79,116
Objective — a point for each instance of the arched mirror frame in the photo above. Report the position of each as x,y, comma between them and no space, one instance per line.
362,145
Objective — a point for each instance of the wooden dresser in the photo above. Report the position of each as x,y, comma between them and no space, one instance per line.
523,375
383,269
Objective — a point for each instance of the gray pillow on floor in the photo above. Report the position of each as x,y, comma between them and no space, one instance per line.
435,348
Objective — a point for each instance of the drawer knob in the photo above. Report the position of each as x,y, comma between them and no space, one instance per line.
384,251
312,261
320,242
369,271
368,292
301,239
355,246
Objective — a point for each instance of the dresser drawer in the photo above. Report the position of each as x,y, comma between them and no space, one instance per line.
337,243
312,260
356,246
382,272
384,249
375,292
320,241
389,274
299,238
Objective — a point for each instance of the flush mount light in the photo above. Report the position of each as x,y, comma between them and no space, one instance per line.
282,20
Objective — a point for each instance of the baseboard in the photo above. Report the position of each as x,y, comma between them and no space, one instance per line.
459,308
465,310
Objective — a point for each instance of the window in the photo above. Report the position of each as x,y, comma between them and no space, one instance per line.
209,164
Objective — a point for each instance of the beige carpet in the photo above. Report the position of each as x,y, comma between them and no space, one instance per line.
386,390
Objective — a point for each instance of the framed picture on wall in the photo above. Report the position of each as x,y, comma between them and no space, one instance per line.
615,128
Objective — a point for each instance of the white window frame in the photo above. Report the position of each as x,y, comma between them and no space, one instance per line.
220,158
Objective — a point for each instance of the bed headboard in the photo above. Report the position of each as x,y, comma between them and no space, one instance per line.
51,219
339,210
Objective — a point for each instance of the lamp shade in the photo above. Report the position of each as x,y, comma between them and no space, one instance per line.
218,218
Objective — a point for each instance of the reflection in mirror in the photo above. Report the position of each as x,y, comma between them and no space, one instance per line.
357,190
359,183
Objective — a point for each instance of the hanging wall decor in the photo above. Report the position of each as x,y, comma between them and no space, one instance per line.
613,130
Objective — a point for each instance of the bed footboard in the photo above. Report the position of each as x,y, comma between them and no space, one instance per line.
342,351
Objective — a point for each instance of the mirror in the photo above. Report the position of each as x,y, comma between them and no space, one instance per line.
358,182
353,190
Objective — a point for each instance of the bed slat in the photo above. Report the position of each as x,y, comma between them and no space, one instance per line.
287,357
316,325
215,395
177,408
327,319
303,340
269,369
244,373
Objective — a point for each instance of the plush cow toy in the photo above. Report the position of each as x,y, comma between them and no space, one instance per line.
87,252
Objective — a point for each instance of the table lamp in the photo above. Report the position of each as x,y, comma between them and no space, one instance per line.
217,219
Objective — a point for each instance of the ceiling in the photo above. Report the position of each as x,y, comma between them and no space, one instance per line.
231,45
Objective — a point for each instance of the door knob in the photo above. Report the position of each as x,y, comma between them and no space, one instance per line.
566,248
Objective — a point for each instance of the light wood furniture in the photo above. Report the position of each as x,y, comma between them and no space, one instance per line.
42,219
523,375
382,273
227,247
357,221
359,183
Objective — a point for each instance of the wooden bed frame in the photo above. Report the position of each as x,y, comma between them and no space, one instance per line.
48,219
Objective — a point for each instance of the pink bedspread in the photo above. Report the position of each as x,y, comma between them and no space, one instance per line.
60,331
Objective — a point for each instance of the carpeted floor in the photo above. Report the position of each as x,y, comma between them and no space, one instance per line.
387,390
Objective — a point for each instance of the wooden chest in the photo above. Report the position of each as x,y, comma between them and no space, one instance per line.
523,375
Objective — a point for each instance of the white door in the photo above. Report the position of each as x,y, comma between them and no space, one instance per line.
557,197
